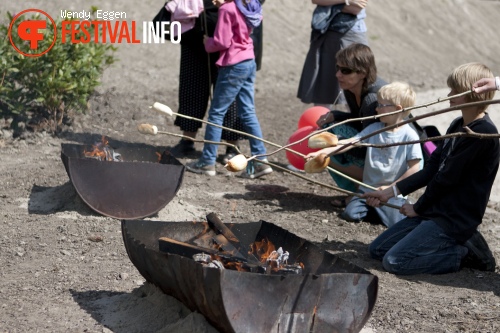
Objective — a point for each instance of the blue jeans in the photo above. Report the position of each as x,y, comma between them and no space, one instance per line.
233,82
357,209
417,246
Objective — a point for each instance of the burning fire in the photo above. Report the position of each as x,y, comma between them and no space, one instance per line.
270,260
102,152
262,249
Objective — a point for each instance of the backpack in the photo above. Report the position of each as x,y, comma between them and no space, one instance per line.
424,133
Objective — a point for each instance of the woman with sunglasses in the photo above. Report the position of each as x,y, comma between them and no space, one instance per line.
357,76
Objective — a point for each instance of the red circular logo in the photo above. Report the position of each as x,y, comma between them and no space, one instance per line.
31,33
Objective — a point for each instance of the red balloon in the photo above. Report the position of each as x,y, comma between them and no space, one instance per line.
301,147
311,116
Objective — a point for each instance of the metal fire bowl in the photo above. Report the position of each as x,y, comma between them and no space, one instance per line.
331,296
135,188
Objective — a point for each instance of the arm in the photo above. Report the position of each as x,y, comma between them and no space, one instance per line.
413,167
223,34
486,85
332,150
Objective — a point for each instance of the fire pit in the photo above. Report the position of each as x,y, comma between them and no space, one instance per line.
327,295
134,181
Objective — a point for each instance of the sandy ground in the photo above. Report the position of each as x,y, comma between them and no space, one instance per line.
56,277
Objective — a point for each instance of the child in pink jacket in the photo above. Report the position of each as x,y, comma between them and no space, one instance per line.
235,81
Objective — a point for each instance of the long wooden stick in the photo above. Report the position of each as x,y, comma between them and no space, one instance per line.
426,115
265,141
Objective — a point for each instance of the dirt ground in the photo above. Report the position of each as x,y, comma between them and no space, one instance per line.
56,276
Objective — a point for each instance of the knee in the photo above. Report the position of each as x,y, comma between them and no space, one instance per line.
349,216
392,264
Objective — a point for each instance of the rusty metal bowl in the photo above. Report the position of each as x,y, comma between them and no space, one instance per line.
137,187
331,295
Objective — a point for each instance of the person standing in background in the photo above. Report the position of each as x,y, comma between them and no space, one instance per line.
198,73
236,80
318,83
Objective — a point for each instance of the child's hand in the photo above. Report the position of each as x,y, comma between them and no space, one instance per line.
407,210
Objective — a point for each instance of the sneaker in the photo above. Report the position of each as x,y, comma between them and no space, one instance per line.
184,147
479,255
256,170
201,168
230,153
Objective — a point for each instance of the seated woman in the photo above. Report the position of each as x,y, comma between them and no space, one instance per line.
357,76
439,234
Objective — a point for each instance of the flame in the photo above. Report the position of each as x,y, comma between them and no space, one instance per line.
263,249
99,151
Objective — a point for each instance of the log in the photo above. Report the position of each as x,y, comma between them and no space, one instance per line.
172,246
219,227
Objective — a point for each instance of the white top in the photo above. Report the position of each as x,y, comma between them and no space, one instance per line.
385,165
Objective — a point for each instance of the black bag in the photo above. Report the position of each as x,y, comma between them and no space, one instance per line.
163,16
424,133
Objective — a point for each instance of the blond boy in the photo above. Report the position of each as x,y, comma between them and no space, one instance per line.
385,166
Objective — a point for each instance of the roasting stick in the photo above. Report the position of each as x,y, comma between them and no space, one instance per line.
165,110
326,185
153,130
365,118
426,115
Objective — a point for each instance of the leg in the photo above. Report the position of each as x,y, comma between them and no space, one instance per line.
356,210
425,250
390,216
229,83
246,108
386,240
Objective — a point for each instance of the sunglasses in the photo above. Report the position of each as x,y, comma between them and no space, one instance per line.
345,70
384,105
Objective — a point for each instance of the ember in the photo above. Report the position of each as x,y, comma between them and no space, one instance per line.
223,251
102,152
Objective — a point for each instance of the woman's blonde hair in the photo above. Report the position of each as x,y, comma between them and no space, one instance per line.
398,93
464,76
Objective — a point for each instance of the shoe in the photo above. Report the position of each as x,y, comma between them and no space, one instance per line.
479,256
201,168
256,170
230,153
341,203
338,203
184,147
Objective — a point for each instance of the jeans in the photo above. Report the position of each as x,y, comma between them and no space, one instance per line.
233,82
417,246
357,209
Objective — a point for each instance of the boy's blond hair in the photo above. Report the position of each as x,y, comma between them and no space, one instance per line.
398,93
464,76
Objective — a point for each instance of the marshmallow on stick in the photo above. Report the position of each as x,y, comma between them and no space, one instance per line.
162,108
237,163
317,164
323,140
147,129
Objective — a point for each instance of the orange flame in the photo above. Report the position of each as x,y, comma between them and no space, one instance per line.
262,250
98,149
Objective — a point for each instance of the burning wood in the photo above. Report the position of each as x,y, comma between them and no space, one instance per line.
102,152
223,251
